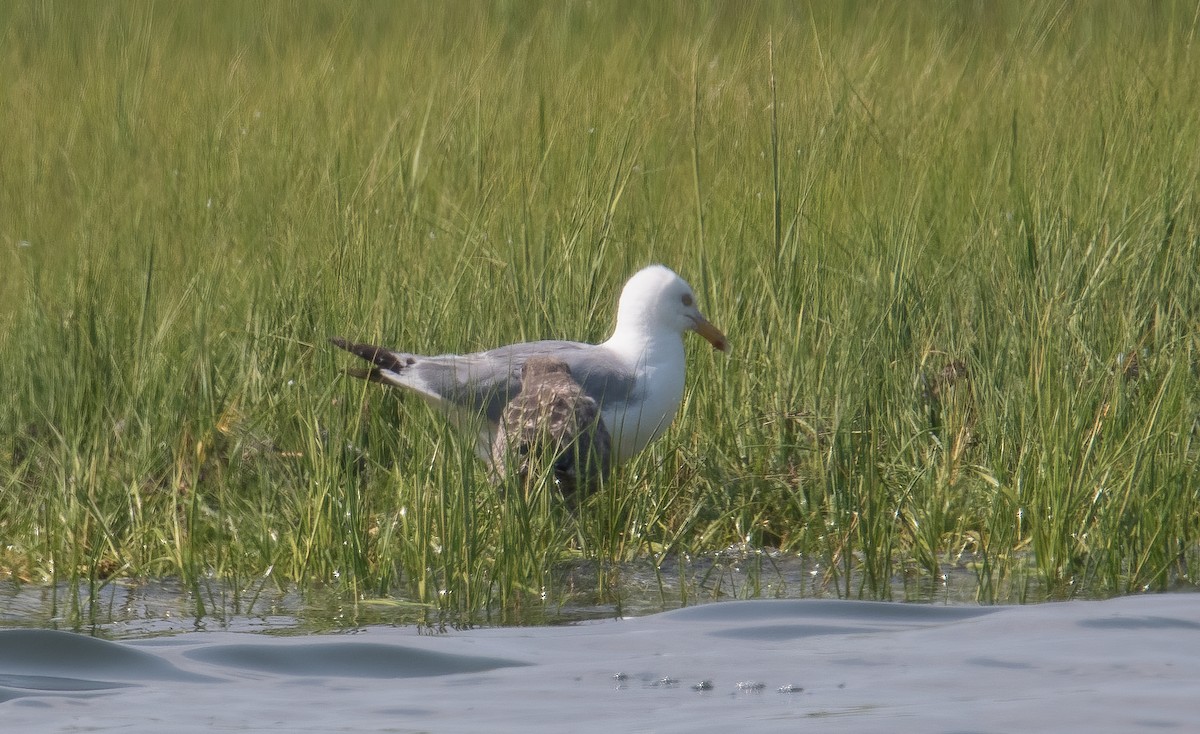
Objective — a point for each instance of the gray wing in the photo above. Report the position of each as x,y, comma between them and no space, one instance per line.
485,381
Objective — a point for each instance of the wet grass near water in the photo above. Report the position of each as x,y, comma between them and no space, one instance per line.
954,247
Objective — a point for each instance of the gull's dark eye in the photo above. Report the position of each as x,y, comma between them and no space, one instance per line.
687,299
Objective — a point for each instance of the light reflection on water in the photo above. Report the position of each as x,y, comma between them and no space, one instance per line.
580,591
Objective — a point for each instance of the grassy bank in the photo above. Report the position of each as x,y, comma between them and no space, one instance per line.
954,245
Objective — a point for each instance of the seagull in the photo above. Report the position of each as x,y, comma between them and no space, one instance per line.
636,376
551,421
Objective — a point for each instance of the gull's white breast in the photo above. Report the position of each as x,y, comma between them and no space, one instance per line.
659,375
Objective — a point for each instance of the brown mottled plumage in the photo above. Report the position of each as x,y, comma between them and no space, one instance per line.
552,420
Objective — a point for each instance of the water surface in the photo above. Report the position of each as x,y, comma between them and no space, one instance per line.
1121,665
581,591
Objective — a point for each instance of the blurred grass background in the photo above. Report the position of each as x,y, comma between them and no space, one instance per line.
954,246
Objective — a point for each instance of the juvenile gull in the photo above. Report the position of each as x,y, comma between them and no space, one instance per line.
636,376
552,428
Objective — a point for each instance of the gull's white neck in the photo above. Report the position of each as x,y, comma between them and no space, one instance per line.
641,345
657,358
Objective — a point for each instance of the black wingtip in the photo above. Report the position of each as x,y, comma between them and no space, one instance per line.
378,356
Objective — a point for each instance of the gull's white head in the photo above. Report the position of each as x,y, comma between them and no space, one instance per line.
657,300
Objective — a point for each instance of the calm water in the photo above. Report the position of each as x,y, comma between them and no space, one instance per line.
679,648
1123,665
129,609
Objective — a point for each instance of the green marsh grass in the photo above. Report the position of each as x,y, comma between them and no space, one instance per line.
955,247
